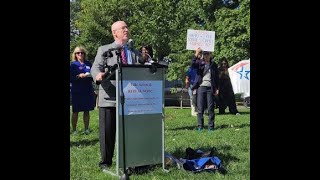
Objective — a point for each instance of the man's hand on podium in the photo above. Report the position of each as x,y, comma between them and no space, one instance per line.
100,76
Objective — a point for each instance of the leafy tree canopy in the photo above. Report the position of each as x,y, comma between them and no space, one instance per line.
164,25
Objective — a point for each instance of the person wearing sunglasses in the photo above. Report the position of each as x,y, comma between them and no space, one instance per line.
206,85
226,97
82,92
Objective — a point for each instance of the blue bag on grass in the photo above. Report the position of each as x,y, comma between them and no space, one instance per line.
210,164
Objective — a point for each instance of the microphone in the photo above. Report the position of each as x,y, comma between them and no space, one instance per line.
108,52
130,44
115,49
109,74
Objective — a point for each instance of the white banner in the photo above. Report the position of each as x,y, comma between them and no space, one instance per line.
240,77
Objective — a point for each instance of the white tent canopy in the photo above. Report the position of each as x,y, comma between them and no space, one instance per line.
240,77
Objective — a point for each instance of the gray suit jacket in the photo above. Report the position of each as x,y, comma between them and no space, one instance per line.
107,88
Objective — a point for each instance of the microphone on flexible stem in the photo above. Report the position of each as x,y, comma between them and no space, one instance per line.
115,49
108,54
109,74
130,44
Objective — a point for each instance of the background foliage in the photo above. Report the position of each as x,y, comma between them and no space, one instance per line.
164,25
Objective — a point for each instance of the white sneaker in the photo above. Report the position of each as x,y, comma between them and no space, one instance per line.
237,114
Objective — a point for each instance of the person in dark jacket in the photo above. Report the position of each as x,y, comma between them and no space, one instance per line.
206,86
107,88
147,54
226,95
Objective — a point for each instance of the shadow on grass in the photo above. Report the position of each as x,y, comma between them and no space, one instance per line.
139,170
228,113
84,142
183,128
223,126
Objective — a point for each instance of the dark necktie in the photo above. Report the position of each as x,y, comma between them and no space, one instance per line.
123,56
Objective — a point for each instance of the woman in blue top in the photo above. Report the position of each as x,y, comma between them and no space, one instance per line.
189,80
82,92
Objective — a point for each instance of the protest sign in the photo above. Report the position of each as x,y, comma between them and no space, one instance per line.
200,38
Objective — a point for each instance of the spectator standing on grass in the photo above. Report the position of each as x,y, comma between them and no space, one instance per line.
190,78
82,91
206,85
226,95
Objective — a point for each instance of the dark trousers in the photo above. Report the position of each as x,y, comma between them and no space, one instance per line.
227,100
107,128
205,99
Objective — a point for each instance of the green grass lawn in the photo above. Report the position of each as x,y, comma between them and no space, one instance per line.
231,138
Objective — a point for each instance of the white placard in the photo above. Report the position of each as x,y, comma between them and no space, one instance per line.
200,38
142,97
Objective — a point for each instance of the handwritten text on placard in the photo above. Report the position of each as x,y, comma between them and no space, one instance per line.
200,38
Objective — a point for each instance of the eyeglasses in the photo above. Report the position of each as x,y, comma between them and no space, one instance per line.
122,28
79,53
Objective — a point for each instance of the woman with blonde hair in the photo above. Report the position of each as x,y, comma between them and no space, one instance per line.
82,92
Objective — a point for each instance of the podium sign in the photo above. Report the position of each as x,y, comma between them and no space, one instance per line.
140,134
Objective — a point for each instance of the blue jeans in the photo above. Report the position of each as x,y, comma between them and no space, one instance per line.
205,99
190,91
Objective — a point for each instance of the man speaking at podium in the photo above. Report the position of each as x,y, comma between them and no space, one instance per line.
107,59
